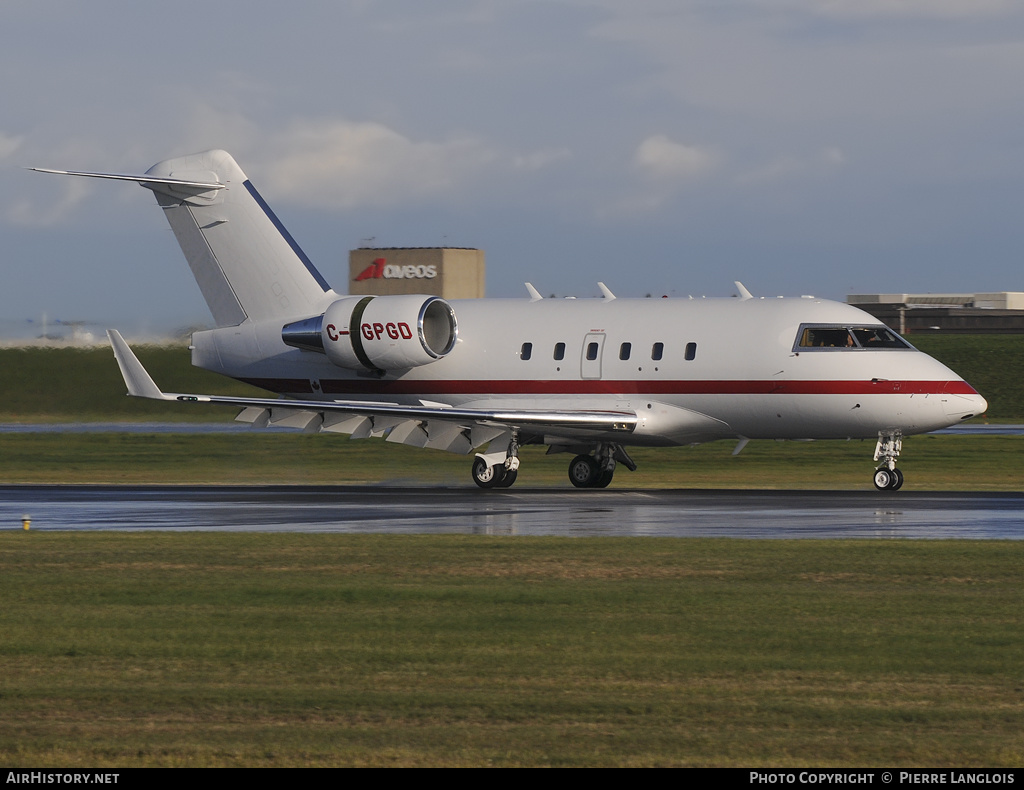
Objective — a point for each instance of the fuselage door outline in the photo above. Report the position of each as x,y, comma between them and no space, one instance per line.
590,357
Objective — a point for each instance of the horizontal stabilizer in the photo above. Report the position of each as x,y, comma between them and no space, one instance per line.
147,181
247,265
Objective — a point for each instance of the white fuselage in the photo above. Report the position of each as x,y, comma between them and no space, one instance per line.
726,368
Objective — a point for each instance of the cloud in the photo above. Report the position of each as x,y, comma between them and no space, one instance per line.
906,9
660,158
8,145
540,159
665,168
40,214
825,161
345,164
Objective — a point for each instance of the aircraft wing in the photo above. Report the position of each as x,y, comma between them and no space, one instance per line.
436,425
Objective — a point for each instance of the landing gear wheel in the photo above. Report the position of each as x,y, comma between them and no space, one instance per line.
583,471
888,479
487,476
604,478
508,479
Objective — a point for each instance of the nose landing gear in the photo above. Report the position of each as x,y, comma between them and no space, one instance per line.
887,450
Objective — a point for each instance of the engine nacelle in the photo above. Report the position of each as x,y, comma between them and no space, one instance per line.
379,332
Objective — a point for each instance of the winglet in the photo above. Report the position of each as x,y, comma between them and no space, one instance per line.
744,293
534,293
140,384
606,292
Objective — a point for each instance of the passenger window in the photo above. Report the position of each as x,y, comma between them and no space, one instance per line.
592,351
657,351
691,352
527,351
624,350
559,351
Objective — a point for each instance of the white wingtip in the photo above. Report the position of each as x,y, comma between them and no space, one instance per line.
140,384
744,293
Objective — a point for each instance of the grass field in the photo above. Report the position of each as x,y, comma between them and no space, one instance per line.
993,364
937,463
85,385
274,650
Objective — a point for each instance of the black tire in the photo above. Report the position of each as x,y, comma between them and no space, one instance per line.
583,471
884,479
508,479
487,476
897,482
604,479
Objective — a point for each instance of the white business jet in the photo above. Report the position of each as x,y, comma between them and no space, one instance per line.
583,376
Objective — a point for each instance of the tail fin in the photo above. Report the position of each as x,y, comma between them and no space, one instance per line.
245,262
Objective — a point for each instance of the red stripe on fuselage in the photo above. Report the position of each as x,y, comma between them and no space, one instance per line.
527,387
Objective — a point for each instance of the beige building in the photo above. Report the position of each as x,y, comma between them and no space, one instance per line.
449,272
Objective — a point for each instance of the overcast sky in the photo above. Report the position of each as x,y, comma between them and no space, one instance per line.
814,147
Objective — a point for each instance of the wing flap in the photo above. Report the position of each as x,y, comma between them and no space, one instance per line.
409,432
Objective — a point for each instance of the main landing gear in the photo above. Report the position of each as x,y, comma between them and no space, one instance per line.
496,470
500,470
597,470
887,476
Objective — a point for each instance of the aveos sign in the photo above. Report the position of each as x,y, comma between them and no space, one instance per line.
381,269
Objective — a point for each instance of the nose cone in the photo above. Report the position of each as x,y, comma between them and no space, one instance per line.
980,405
964,402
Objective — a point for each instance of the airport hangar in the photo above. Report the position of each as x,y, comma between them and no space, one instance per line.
978,314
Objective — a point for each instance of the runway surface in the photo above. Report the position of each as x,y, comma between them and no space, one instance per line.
673,513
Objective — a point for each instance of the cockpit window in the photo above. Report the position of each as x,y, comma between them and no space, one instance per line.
878,337
825,337
831,337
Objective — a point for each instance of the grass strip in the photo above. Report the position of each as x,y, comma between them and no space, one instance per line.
152,649
937,463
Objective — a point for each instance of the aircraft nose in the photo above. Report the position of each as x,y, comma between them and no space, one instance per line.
963,407
980,404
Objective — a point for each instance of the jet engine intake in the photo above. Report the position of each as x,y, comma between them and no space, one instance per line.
378,332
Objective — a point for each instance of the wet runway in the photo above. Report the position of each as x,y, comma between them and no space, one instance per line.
673,513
